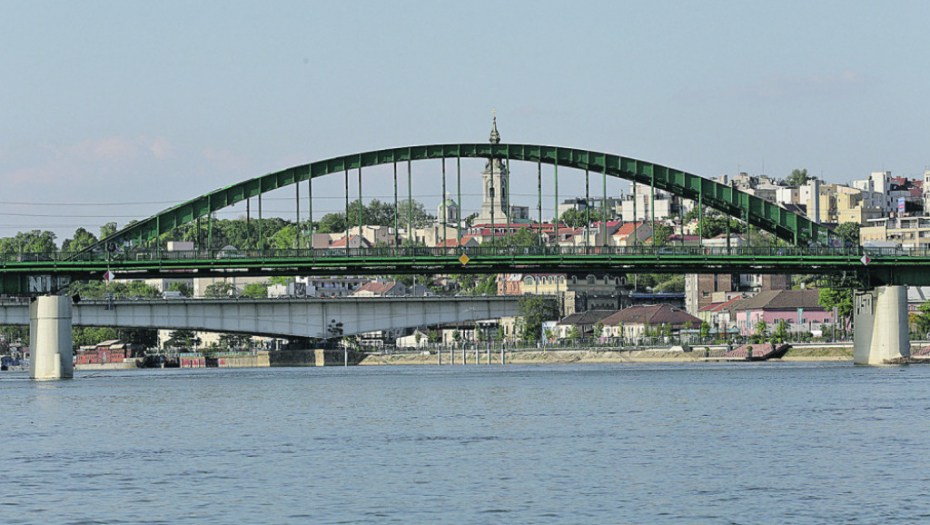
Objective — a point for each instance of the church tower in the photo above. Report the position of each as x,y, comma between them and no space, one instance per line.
494,186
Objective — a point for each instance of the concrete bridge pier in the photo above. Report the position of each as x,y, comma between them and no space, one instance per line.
50,338
881,330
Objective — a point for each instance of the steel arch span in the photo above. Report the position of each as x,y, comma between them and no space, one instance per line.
760,213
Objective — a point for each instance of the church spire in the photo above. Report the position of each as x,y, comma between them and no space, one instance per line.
495,136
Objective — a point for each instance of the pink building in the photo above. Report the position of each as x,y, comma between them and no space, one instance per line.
798,308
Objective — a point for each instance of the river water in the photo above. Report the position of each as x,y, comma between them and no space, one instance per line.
739,443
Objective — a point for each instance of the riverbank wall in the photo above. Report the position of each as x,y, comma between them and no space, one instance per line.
668,355
315,357
319,357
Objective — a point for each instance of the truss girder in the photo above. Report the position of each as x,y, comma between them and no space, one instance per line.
765,215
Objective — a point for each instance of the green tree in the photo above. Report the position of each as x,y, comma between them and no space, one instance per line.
108,229
82,239
661,235
465,283
147,337
598,329
798,177
849,232
285,238
922,320
32,242
693,213
842,300
219,289
92,335
573,333
256,290
573,218
705,330
16,334
526,237
98,290
381,213
645,282
666,330
182,339
182,287
762,329
486,285
675,284
414,210
235,341
133,289
781,331
714,225
533,310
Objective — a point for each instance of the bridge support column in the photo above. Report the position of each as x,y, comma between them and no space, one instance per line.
881,330
50,338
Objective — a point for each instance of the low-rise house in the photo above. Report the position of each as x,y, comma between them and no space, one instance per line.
381,289
582,322
717,314
632,234
636,320
113,351
322,241
467,241
354,241
335,286
595,235
800,309
377,234
418,339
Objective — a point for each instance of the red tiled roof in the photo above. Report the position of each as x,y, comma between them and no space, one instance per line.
713,307
653,315
376,287
450,243
341,243
782,300
503,224
628,228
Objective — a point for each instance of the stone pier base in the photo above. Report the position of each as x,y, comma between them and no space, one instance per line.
50,338
881,329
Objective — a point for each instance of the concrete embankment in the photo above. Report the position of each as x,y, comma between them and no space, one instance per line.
823,352
314,357
318,357
698,354
128,364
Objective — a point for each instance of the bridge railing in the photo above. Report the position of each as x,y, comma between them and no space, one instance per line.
487,251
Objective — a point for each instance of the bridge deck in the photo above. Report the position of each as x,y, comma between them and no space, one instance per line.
884,267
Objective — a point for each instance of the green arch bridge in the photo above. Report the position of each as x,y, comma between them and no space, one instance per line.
805,246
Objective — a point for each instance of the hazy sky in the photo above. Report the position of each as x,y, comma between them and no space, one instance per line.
115,110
